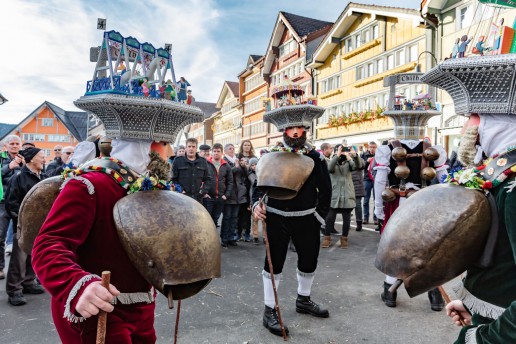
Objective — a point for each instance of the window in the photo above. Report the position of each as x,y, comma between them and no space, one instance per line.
253,81
465,15
34,137
47,122
376,32
360,73
329,84
367,36
349,45
370,69
47,152
400,57
413,53
59,138
253,105
390,62
379,66
358,41
287,48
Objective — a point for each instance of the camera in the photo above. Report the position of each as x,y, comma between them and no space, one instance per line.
346,149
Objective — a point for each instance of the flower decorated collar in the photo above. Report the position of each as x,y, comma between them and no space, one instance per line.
492,173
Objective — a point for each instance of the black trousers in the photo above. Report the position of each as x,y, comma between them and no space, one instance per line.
346,220
20,273
304,232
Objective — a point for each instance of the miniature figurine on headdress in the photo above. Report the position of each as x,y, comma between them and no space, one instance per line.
455,50
463,46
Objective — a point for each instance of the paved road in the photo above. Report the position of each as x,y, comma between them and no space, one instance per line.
229,310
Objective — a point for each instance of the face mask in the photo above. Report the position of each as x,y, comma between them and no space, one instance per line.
469,151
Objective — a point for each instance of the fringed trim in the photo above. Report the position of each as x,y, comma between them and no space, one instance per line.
319,218
89,185
130,298
477,306
471,335
305,274
268,275
68,315
510,186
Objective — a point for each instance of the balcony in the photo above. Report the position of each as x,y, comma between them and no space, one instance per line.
378,77
380,124
330,93
361,49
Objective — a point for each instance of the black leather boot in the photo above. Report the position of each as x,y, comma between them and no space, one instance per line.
436,300
271,321
387,297
359,226
307,306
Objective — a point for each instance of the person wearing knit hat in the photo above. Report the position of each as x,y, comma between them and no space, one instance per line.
30,174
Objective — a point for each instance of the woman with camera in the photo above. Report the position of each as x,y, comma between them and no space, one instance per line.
344,160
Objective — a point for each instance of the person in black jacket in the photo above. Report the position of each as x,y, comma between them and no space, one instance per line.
221,187
20,275
49,170
368,157
191,172
299,219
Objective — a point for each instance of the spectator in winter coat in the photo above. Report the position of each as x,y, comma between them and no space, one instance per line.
254,196
191,172
368,157
221,187
358,182
244,213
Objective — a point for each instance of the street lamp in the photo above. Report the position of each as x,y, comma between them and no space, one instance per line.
2,99
418,66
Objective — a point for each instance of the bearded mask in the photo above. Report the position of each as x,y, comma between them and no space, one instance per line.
294,142
469,150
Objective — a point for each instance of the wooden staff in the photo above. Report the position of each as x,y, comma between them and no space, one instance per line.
101,325
447,300
271,269
177,320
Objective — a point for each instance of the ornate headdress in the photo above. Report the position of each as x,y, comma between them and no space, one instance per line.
482,85
293,116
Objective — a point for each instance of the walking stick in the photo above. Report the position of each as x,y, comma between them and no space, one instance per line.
447,300
271,269
101,325
177,320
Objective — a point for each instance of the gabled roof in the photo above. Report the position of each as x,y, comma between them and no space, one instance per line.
300,27
254,58
346,19
207,108
303,26
229,86
75,121
6,128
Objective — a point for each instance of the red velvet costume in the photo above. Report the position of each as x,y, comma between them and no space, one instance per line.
79,240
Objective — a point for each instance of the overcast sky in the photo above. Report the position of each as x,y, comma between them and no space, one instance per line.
45,44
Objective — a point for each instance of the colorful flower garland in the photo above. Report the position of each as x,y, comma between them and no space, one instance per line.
145,183
472,178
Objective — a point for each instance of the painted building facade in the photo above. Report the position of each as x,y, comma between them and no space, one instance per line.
227,126
293,39
49,125
366,44
253,92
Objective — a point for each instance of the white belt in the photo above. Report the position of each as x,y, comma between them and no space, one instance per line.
296,213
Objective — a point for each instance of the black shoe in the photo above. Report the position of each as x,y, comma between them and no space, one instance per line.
436,300
34,289
387,297
224,244
307,306
271,321
366,222
232,243
17,299
256,241
335,232
359,226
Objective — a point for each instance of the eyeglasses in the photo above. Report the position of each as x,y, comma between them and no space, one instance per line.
69,153
57,150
